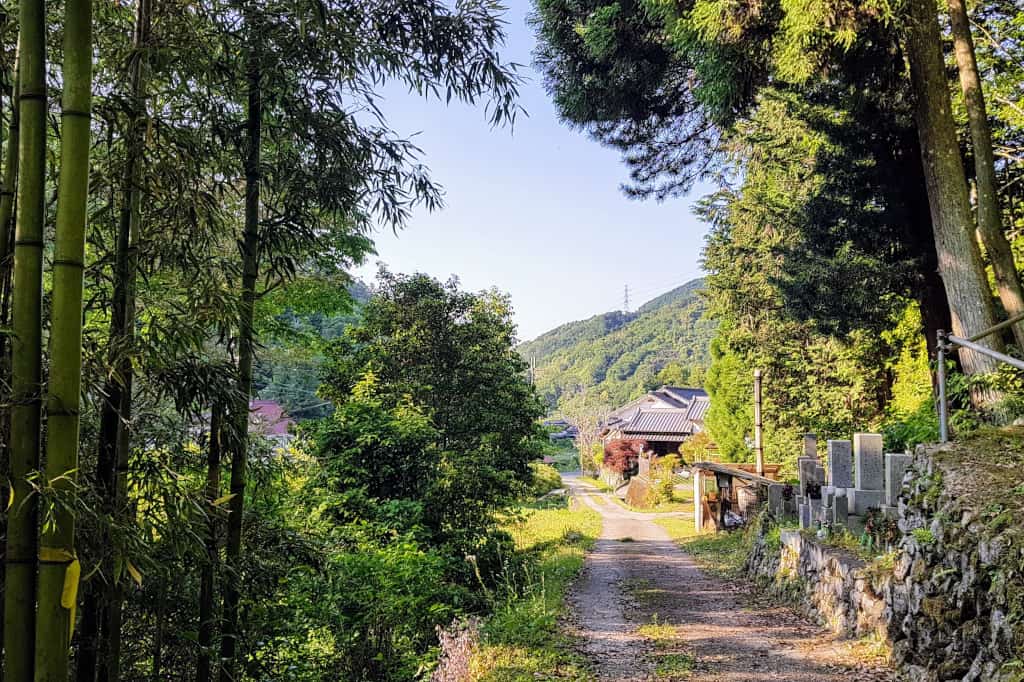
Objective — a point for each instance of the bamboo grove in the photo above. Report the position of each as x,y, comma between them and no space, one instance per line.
175,174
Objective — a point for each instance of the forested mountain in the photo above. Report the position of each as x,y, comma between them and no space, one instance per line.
612,357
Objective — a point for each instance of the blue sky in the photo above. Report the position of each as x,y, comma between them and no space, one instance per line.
536,211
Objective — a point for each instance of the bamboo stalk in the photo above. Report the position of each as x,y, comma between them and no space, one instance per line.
58,562
26,347
8,186
115,441
240,410
207,626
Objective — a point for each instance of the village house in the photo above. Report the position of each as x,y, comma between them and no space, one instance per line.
664,418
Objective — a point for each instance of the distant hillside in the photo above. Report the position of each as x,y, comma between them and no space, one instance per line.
617,356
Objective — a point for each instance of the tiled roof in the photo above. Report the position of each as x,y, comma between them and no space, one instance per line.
682,393
671,410
656,437
668,398
661,421
699,407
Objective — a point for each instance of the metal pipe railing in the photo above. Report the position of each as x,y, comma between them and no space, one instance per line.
940,378
999,327
985,350
949,342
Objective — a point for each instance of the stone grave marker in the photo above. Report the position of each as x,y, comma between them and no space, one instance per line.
895,466
810,445
815,508
862,500
867,456
840,510
776,503
840,463
810,477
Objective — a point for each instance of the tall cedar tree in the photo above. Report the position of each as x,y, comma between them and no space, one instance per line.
963,273
990,226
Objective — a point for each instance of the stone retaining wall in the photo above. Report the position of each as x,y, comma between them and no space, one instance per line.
832,585
955,609
950,599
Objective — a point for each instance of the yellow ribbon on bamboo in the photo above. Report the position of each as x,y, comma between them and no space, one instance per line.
72,575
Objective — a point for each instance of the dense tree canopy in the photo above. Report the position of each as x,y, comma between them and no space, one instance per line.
823,235
237,164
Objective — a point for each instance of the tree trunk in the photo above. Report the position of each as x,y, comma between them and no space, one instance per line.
989,223
114,439
161,630
959,259
26,348
207,612
8,183
89,632
8,186
240,411
58,563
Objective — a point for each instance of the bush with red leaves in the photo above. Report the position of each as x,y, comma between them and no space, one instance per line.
621,454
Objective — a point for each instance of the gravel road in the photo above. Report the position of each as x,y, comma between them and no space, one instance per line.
698,627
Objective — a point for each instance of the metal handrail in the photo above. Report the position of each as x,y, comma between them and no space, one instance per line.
948,342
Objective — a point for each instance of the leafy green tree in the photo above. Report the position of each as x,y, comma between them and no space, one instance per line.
730,416
450,353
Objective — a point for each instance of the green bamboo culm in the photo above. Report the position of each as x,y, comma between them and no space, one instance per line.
26,347
58,564
239,414
8,185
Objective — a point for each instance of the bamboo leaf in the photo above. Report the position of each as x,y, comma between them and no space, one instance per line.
223,500
134,573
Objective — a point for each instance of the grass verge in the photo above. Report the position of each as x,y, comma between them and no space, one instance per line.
720,554
596,482
521,641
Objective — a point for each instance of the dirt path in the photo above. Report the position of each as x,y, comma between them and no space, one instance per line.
642,610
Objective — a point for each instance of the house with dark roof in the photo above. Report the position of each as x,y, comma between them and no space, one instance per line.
665,418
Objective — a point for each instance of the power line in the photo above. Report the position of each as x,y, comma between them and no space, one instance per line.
653,292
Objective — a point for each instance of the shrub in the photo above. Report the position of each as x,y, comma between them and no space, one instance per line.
665,466
543,479
620,455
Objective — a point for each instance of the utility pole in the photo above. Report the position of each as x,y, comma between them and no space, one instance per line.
758,435
625,302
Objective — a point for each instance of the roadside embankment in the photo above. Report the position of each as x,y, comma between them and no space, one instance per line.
949,600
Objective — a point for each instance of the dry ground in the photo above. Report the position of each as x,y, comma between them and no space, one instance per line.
643,610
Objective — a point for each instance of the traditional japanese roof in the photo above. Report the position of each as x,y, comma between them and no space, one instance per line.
665,398
661,421
682,394
669,414
655,437
699,407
